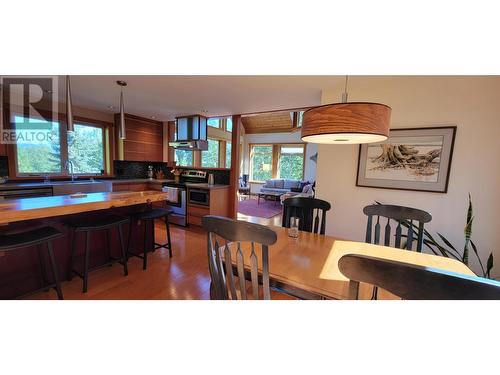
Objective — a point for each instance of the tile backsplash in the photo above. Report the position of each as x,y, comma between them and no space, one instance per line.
139,169
4,166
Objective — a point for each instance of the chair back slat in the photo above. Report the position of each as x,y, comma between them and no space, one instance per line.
377,231
224,269
387,234
254,273
368,238
400,215
409,243
398,235
240,265
420,237
414,282
229,272
308,210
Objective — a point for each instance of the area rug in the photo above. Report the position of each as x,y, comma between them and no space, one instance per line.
266,209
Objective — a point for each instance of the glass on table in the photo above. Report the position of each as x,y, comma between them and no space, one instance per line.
293,231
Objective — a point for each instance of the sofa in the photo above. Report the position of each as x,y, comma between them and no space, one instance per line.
280,185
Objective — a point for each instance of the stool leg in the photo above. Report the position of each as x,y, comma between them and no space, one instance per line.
153,247
167,226
145,257
124,254
54,270
86,262
108,248
130,224
43,272
72,256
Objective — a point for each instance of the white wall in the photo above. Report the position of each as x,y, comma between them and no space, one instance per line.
311,149
470,103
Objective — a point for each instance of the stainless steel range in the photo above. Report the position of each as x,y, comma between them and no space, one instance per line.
179,205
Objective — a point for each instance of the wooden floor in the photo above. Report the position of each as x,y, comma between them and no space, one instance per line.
184,276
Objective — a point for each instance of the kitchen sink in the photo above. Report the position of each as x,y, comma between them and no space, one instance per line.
79,186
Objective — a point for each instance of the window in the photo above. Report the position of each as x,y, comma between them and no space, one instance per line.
213,122
291,162
261,162
184,158
229,124
228,154
210,158
46,153
86,149
37,155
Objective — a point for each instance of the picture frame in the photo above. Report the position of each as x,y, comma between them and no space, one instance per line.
417,159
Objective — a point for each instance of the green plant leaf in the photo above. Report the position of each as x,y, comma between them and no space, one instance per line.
474,248
489,265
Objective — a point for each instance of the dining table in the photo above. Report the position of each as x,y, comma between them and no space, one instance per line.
306,267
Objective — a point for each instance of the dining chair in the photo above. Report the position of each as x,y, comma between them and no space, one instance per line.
308,210
403,216
222,231
412,282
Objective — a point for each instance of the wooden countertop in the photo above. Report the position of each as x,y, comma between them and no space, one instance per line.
42,207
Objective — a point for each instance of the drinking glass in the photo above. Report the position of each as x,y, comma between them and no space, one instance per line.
293,231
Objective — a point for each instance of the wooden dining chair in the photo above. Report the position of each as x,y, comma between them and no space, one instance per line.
413,282
399,215
309,211
221,231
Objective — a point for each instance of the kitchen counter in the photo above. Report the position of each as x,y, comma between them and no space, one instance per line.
43,207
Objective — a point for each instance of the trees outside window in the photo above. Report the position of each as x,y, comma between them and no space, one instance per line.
291,162
86,150
228,154
261,161
210,158
184,158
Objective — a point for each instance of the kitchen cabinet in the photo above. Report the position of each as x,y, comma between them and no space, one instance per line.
219,205
131,187
144,139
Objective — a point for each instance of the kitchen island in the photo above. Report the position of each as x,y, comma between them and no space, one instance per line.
20,270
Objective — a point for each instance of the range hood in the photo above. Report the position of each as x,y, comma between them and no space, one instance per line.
198,145
190,133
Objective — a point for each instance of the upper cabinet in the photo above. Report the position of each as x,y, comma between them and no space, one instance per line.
144,139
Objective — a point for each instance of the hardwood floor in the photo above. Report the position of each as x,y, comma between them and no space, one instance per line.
185,276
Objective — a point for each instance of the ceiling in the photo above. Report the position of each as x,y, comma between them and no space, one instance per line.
165,97
274,122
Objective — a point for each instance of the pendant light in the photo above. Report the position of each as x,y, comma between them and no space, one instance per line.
121,129
346,123
69,107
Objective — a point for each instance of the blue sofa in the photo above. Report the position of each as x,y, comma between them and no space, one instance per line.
279,185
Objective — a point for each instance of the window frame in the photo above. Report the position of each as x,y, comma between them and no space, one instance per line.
218,154
192,158
108,149
275,158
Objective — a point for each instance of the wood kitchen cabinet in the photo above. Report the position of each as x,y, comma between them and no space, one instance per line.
144,139
219,204
131,187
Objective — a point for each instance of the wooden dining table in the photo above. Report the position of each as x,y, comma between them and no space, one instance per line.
307,267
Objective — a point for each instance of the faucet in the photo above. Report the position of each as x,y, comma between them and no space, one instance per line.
71,169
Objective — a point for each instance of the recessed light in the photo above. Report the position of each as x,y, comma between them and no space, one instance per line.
153,117
111,107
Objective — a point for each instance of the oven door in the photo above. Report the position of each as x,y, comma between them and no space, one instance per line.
199,196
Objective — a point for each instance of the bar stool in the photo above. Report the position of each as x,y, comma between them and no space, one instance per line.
149,216
86,226
36,237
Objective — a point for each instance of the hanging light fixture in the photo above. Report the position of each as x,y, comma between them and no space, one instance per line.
69,107
121,129
346,123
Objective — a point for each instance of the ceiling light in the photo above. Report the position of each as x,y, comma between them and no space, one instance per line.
153,117
111,107
121,129
346,123
69,107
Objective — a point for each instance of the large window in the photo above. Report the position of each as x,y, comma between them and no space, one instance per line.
291,162
228,154
210,158
46,152
184,158
86,149
261,162
213,122
277,161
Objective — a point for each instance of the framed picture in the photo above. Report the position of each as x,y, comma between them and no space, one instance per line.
410,159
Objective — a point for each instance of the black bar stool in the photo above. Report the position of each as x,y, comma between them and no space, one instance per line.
36,237
149,216
105,223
